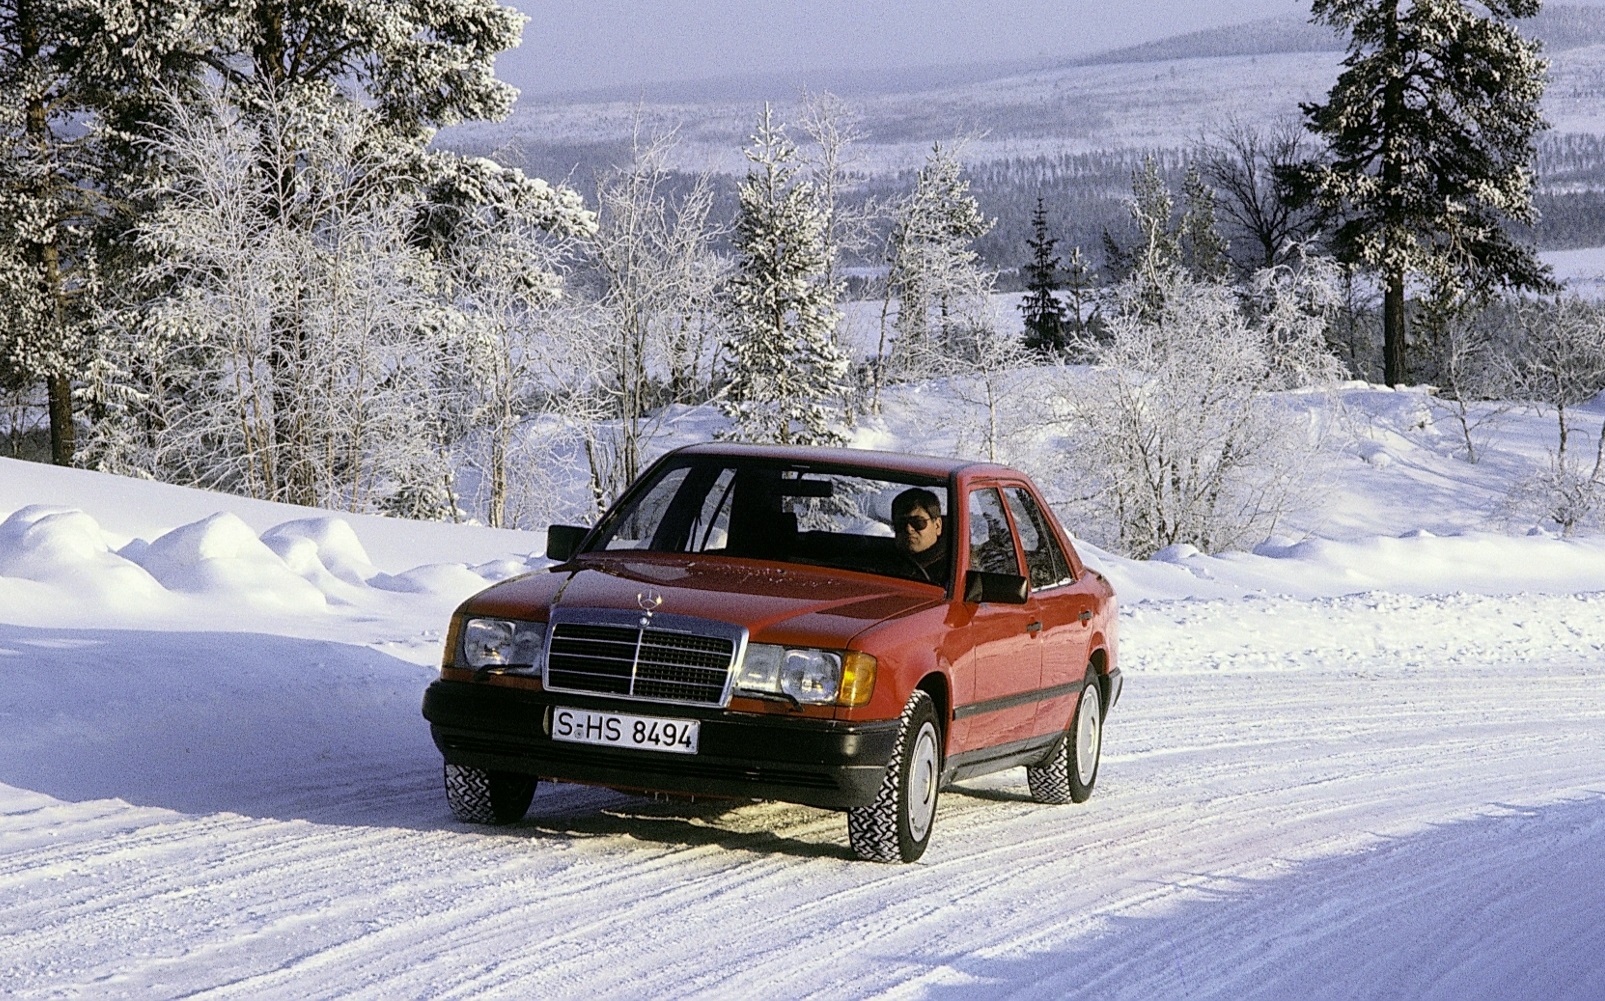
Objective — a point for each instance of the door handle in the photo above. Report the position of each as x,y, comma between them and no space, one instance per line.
1035,627
1085,616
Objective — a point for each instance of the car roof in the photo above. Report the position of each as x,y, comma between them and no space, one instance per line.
890,462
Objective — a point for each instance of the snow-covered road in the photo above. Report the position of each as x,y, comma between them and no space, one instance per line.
1407,802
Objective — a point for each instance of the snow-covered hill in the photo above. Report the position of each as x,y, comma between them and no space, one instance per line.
1365,760
1162,95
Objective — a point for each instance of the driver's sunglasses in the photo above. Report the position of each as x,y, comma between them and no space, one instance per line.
915,521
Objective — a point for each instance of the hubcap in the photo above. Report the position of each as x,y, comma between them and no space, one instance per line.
922,783
1089,727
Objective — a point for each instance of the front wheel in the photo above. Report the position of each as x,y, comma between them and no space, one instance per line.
1067,774
477,796
896,827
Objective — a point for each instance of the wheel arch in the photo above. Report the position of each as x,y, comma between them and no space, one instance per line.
1099,662
937,686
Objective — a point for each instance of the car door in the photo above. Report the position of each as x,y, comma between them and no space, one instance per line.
998,705
1063,605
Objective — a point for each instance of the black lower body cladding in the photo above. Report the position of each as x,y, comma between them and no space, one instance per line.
816,762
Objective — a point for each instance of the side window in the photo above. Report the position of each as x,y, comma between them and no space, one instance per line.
1045,561
991,543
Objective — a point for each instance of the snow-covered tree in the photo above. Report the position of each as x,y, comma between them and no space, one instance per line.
191,390
1430,131
518,374
935,276
1562,364
1047,326
1167,241
409,67
1173,435
835,129
73,73
653,250
1203,249
786,372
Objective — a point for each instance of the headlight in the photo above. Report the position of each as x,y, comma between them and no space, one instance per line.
503,643
812,676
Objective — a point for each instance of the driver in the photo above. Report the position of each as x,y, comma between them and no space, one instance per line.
917,528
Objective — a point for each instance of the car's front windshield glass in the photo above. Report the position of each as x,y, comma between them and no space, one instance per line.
823,516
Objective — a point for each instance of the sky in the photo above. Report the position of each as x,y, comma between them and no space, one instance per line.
612,43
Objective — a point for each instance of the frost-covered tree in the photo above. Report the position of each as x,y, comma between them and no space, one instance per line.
1562,365
518,375
1473,368
835,128
1082,297
191,391
1047,326
935,276
1167,241
1430,131
1173,435
1203,249
409,66
1156,249
785,370
653,250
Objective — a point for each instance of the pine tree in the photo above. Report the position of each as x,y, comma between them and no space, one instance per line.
1081,296
1046,326
1203,249
75,76
1430,129
935,273
785,369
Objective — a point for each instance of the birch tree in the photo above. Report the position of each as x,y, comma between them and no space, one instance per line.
653,249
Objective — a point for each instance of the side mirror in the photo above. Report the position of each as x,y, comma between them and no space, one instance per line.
999,588
563,541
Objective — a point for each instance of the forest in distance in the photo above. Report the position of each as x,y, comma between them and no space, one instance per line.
1064,138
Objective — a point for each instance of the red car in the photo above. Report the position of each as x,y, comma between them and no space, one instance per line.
840,628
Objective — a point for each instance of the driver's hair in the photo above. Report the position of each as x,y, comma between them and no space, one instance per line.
916,497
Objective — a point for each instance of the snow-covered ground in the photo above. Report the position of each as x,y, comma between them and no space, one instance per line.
1366,760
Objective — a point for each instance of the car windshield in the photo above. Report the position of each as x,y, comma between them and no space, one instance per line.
786,512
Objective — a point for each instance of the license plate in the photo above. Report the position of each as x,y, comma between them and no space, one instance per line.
646,733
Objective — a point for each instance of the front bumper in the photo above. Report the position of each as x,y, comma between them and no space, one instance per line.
747,755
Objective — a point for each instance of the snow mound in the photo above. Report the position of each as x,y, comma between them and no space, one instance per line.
334,544
433,578
66,547
221,555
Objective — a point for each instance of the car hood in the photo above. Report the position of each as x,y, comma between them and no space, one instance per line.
773,601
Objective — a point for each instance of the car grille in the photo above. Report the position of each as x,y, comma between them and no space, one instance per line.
639,662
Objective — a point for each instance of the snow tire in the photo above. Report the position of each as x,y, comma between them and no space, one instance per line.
1067,774
896,827
477,796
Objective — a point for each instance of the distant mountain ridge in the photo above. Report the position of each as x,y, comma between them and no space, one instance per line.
1560,28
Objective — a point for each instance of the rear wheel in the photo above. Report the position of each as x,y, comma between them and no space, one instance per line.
1067,774
477,796
896,827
